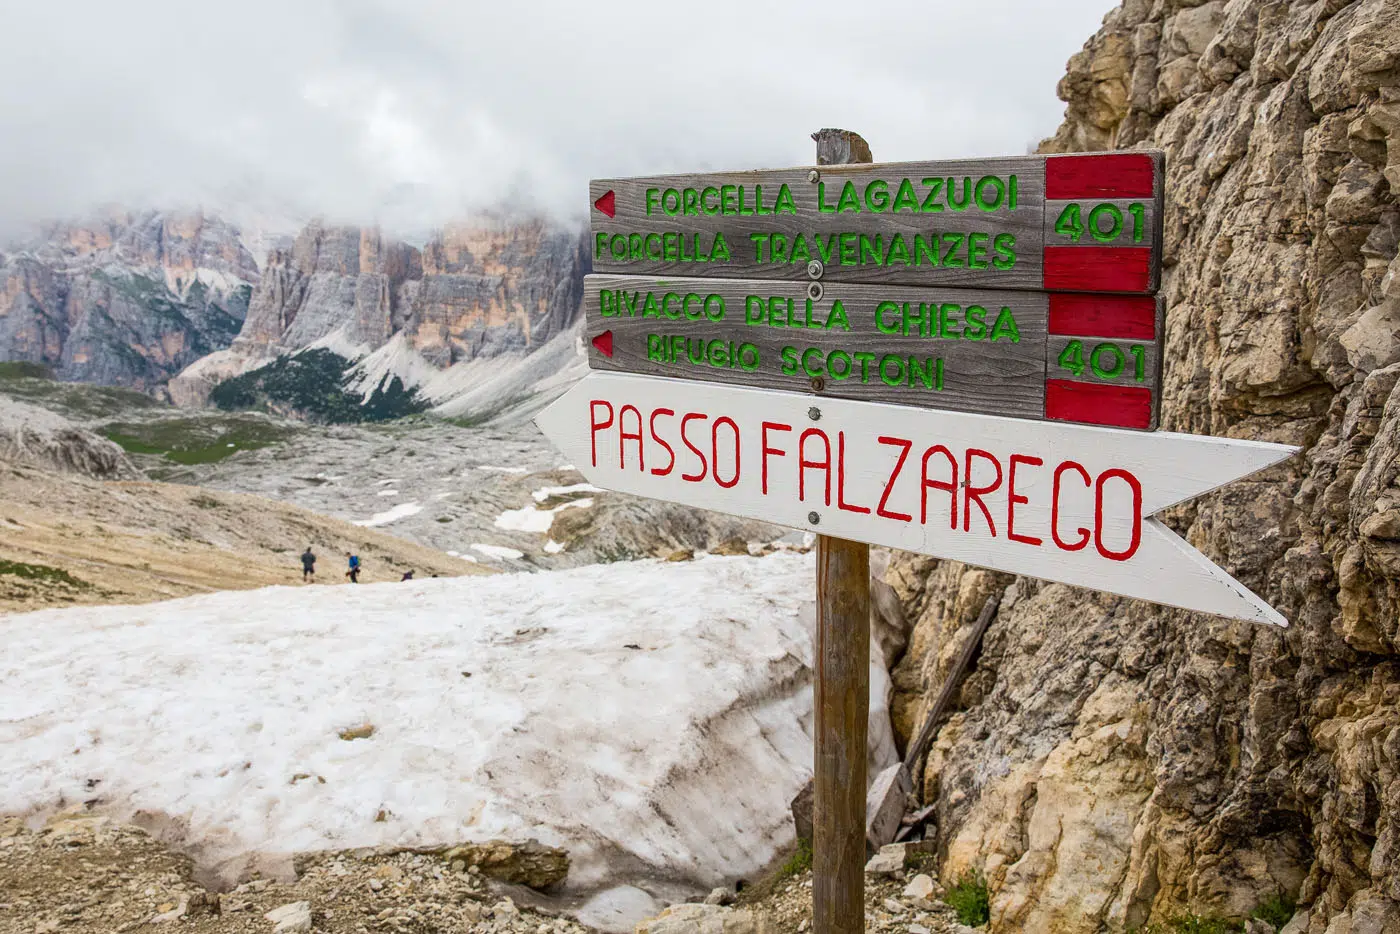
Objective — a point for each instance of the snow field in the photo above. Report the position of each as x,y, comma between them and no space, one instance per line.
661,710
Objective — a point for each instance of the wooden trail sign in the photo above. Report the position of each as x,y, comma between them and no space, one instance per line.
1077,223
1067,357
1066,503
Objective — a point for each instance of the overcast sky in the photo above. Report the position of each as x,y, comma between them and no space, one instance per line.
412,112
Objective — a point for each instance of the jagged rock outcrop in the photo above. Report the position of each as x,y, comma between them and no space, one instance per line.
129,299
479,290
1116,763
35,437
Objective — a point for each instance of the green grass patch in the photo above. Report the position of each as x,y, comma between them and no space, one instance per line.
23,369
970,899
196,439
799,862
41,573
75,400
1277,910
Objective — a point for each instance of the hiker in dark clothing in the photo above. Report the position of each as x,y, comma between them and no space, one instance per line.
408,576
308,566
354,572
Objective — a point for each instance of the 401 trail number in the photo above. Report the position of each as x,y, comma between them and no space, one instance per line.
1104,222
1106,360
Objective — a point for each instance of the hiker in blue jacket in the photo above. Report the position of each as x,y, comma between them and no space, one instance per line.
354,572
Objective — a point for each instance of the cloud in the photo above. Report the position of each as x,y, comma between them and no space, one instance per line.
411,114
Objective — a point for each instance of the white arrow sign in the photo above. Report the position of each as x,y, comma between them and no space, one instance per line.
1065,503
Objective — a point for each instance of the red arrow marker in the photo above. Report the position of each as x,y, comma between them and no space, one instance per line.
608,205
604,341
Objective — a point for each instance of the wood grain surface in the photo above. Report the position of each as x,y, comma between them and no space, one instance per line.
765,334
952,223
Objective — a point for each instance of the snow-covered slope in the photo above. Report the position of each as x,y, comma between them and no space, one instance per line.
653,718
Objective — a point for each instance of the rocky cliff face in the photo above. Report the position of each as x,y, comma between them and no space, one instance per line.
474,291
1116,763
126,300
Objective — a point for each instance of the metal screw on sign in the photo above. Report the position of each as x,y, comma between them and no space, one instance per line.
814,269
814,291
814,413
818,384
813,175
815,518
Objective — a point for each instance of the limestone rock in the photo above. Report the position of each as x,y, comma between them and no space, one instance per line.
531,863
890,859
1110,764
921,886
293,918
124,299
40,438
703,919
497,286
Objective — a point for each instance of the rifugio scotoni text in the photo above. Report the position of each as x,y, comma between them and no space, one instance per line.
928,320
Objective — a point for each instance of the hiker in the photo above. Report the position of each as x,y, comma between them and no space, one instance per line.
308,566
354,572
408,576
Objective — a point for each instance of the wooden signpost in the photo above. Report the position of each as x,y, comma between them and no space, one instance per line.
1084,223
939,357
1060,356
1068,503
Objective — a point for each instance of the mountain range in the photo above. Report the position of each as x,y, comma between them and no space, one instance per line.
176,304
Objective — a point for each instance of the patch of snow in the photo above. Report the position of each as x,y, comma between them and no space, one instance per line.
388,482
395,358
552,547
401,511
502,469
510,388
340,343
545,493
458,554
498,551
530,519
388,493
684,757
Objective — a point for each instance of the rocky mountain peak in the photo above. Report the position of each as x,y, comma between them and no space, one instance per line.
124,298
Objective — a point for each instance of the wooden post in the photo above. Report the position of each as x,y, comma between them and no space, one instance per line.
842,693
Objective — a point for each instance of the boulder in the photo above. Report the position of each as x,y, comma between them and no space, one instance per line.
704,919
531,863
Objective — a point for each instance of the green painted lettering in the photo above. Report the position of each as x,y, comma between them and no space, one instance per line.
877,196
760,240
880,324
904,198
1005,247
977,250
837,316
784,204
1006,327
898,252
871,250
931,205
952,243
848,200
925,251
953,202
975,327
990,191
719,250
714,209
848,250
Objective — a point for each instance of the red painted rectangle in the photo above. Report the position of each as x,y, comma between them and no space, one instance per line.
1120,406
1126,317
1098,268
1112,175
